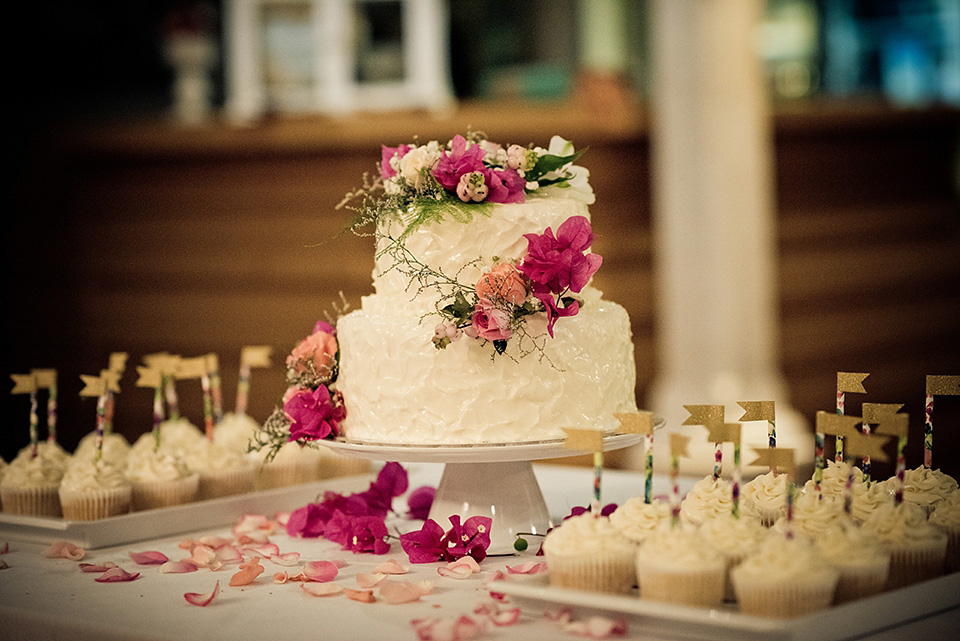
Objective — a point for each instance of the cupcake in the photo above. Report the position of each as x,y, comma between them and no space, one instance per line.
159,477
587,552
94,489
946,516
785,577
766,496
917,548
859,558
235,431
636,519
222,471
867,498
115,447
734,539
31,482
835,477
708,498
180,436
927,488
815,513
677,565
280,471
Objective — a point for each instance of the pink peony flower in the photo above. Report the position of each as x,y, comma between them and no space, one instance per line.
558,263
503,282
460,160
386,153
314,414
491,322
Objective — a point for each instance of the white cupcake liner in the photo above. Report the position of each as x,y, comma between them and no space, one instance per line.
703,587
916,563
857,582
277,474
217,483
97,504
762,596
32,501
610,571
153,494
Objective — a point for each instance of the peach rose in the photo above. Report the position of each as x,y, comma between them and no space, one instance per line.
503,282
320,347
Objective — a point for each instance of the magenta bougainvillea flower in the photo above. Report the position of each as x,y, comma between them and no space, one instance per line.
471,538
368,534
505,186
314,414
425,545
420,501
461,159
558,263
386,153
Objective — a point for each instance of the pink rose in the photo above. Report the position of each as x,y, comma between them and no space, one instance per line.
491,322
503,282
320,347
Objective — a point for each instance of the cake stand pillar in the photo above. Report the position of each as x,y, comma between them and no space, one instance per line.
715,225
507,492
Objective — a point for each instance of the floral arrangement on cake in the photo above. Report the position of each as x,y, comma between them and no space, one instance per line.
312,407
432,182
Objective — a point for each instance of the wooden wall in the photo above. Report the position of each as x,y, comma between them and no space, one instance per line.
144,237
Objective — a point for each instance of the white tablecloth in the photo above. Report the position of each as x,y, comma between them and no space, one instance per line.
42,598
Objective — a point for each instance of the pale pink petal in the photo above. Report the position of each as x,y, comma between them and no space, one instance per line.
280,577
3,565
255,538
264,549
248,573
369,580
116,575
177,567
396,593
214,542
97,568
322,589
252,523
364,596
282,518
391,566
288,559
425,587
151,557
203,555
500,616
340,563
597,627
461,628
195,598
530,567
455,570
64,550
227,554
561,615
321,571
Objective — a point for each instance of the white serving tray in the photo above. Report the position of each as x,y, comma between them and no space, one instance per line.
161,522
669,621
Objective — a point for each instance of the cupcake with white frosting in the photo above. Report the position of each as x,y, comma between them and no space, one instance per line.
814,514
946,516
856,553
917,548
735,539
159,477
115,448
784,578
94,489
636,519
676,564
222,471
836,474
235,431
587,552
927,487
31,482
867,498
766,495
708,498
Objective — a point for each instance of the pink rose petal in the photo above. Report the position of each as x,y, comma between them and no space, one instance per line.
253,524
391,566
228,554
214,542
363,596
455,570
177,567
282,518
117,575
97,568
461,628
530,567
288,559
150,557
500,616
195,598
3,565
280,577
369,580
397,593
248,573
321,571
597,627
322,589
4,547
264,549
64,550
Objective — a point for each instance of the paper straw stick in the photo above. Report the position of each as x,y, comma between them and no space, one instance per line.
818,461
101,421
152,377
678,448
936,386
596,506
735,490
591,441
847,382
47,379
838,452
873,414
34,424
641,423
788,530
648,469
897,425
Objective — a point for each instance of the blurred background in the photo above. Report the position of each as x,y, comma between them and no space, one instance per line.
163,200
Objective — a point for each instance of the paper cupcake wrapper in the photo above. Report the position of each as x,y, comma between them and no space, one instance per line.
909,565
226,482
31,501
276,474
759,596
611,572
99,504
702,587
154,494
858,582
953,550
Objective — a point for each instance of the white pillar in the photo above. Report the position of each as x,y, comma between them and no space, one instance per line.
714,226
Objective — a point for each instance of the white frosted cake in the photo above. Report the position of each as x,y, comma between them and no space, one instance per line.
475,332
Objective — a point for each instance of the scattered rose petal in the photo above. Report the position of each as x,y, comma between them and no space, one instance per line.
97,568
391,566
364,596
228,554
255,538
461,628
425,587
214,542
248,573
3,565
4,547
369,580
280,577
282,518
150,557
203,556
499,616
456,570
253,523
195,598
177,567
397,593
264,549
530,567
288,559
321,571
597,627
322,589
64,550
117,575
340,563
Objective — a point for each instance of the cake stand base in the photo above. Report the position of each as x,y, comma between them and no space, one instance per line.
508,493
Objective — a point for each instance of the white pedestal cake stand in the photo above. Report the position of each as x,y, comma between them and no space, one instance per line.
495,480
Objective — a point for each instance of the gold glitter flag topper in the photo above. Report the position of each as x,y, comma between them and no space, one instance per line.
635,423
758,410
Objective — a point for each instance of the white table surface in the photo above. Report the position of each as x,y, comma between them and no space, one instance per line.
52,599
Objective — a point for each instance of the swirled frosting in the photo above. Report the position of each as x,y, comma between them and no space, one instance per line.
88,476
903,525
207,456
115,447
708,498
234,431
44,469
835,476
867,498
849,546
781,559
146,464
734,538
767,494
637,518
586,534
682,548
947,513
927,487
180,436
